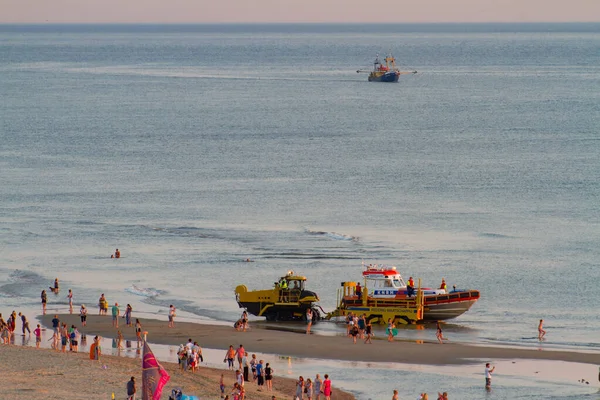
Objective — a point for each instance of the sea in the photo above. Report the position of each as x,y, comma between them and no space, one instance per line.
193,148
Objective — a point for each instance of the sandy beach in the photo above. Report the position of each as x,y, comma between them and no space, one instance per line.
44,374
296,344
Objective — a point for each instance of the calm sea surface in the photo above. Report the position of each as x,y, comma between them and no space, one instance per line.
192,148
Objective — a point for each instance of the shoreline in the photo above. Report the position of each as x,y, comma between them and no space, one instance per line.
294,344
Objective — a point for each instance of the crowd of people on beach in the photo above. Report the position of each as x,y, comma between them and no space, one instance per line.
251,370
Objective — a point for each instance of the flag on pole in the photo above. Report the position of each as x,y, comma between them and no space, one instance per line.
154,376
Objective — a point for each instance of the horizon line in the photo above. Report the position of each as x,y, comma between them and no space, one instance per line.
308,23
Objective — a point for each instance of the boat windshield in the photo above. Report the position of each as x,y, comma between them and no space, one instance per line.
398,282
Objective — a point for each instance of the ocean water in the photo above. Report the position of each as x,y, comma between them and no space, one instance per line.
192,148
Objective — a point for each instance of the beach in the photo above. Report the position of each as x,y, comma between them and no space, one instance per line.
46,374
294,344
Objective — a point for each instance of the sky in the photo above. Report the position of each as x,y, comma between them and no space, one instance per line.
282,11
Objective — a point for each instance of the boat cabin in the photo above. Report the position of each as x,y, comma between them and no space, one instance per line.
385,281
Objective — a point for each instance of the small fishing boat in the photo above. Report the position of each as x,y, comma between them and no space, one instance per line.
385,73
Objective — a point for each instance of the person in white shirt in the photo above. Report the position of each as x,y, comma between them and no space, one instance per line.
488,376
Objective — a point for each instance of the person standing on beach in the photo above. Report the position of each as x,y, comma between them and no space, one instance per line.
131,389
138,331
240,355
269,377
55,323
488,376
73,336
327,387
439,334
115,315
38,336
70,297
230,357
260,375
95,349
64,337
541,331
44,301
253,362
369,332
317,387
83,315
25,323
308,389
171,316
246,365
395,396
299,388
128,311
102,305
390,330
309,317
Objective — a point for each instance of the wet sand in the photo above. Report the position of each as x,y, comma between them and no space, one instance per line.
295,344
44,374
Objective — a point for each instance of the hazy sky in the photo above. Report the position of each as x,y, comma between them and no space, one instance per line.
214,11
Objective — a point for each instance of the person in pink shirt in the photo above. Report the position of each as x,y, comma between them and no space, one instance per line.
38,336
327,387
240,355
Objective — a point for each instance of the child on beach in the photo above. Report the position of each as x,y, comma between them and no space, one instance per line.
354,333
439,335
73,337
119,339
222,385
138,331
38,336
